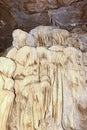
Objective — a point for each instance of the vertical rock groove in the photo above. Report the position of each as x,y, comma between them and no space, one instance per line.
49,82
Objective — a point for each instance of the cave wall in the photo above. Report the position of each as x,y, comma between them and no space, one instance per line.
44,86
27,14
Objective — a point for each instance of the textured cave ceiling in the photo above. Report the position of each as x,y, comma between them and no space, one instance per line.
27,14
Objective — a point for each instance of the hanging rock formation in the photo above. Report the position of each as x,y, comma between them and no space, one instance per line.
44,87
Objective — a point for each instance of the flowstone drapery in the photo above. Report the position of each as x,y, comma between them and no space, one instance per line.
43,88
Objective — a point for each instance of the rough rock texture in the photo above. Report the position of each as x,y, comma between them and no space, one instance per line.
7,24
27,14
70,16
47,36
67,2
44,88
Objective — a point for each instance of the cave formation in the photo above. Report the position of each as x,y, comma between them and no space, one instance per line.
43,75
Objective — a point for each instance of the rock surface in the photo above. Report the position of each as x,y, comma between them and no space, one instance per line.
67,2
44,88
70,16
27,14
7,24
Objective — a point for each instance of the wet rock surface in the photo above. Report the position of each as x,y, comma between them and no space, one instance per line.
27,14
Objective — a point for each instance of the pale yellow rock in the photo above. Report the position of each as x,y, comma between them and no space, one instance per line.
43,82
6,101
12,53
46,36
7,66
19,38
2,83
8,83
25,54
19,70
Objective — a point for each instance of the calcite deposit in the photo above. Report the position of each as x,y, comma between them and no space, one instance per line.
44,87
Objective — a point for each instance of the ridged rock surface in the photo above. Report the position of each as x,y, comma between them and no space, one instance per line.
43,87
27,14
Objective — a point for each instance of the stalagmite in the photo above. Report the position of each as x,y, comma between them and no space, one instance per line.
43,87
